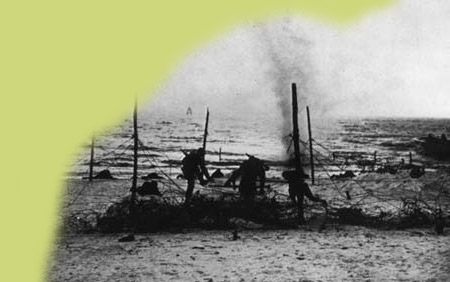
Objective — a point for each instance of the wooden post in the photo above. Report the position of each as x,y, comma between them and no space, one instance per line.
135,166
91,163
410,158
220,154
311,153
206,129
296,137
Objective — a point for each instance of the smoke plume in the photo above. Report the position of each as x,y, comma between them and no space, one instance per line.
290,54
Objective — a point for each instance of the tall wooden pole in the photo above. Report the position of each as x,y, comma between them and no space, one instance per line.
206,129
311,153
91,163
296,136
135,164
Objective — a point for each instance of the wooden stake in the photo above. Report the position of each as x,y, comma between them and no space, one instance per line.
296,137
206,129
91,163
135,165
311,153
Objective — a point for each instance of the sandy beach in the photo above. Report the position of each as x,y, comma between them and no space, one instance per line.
339,253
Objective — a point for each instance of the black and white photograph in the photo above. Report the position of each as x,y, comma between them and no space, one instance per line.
286,149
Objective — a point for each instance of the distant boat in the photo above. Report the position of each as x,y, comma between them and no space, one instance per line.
189,111
436,147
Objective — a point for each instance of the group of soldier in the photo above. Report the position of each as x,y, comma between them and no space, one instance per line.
249,172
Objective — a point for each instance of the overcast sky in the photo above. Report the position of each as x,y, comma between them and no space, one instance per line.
395,62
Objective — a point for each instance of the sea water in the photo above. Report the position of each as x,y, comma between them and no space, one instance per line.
342,141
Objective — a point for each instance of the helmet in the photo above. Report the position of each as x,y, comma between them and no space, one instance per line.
201,151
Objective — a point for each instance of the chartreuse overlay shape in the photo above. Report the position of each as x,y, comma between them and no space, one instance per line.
72,68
